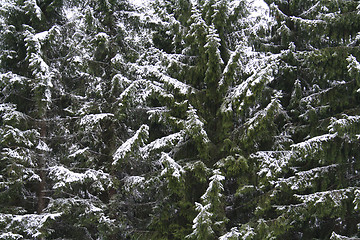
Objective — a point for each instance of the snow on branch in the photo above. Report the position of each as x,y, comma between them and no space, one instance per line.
10,235
170,166
261,70
136,186
31,7
132,144
313,144
92,210
353,65
194,127
64,177
345,126
139,91
272,110
17,136
9,114
39,67
245,233
202,223
42,146
336,197
305,179
29,225
176,84
214,191
356,200
77,152
162,143
335,236
233,234
272,163
94,118
91,120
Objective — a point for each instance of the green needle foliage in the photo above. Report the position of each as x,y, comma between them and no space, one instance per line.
203,119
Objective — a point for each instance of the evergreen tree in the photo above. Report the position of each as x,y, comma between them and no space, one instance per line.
196,40
202,224
301,147
214,197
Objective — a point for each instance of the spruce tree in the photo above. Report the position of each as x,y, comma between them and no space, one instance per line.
298,162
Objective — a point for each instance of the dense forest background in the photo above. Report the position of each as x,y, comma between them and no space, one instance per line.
179,119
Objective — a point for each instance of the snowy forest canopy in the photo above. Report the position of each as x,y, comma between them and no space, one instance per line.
179,119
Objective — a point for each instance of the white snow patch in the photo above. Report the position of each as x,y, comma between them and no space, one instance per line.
141,3
170,166
77,59
305,179
10,235
48,93
144,11
102,35
91,208
19,136
356,200
14,78
163,142
182,87
214,185
259,9
128,146
261,70
41,68
354,65
132,183
92,119
5,107
6,4
78,152
157,114
41,36
312,141
31,5
12,153
32,223
233,234
42,146
140,90
203,218
71,13
344,123
272,162
336,196
64,176
194,126
335,236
